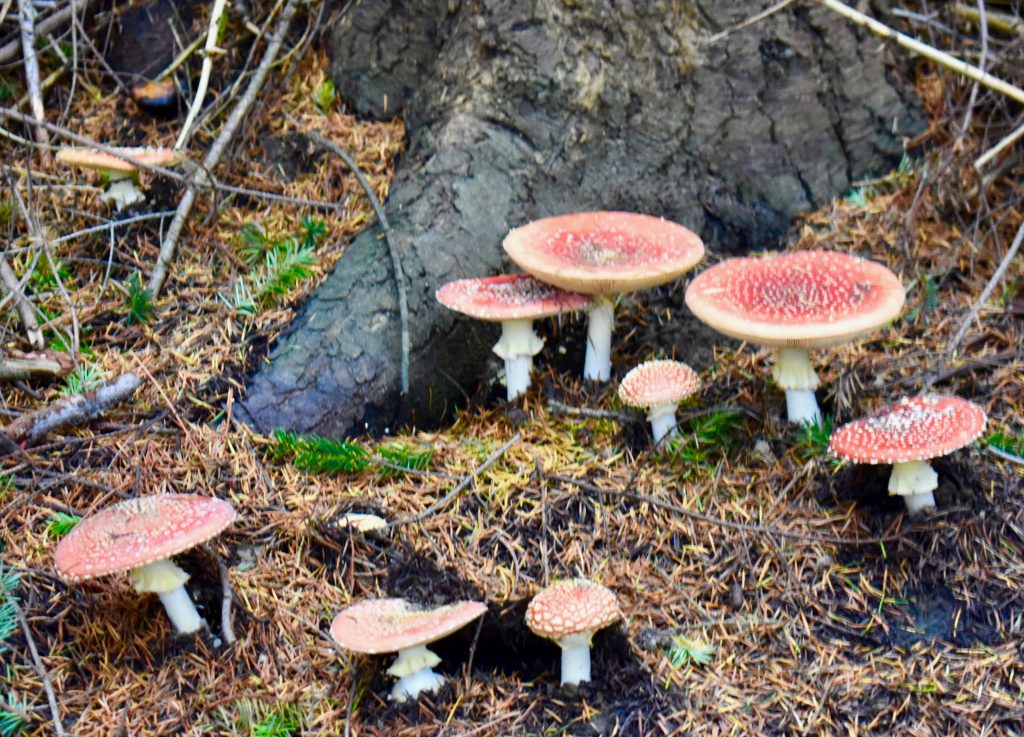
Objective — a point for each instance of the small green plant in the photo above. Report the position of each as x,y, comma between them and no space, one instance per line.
1008,444
320,455
60,524
13,711
814,437
929,300
324,95
6,206
6,484
895,179
258,719
252,242
9,88
138,300
703,440
82,379
685,651
284,265
9,581
43,278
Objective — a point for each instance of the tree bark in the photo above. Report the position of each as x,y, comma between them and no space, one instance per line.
518,109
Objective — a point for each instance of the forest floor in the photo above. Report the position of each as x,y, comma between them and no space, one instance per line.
766,589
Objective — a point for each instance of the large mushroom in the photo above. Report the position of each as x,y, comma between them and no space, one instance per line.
140,536
908,434
570,612
514,300
795,302
376,626
603,254
121,174
658,387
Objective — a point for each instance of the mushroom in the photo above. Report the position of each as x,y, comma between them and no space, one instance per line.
514,300
795,302
122,174
159,97
603,254
658,386
140,536
908,434
375,626
570,612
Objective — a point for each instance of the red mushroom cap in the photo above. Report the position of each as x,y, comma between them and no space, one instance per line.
913,429
509,297
92,158
571,607
658,382
377,626
138,532
805,298
604,252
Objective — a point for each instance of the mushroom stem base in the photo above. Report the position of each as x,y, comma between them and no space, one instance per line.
663,420
122,193
518,345
181,611
413,685
601,321
914,481
575,658
802,406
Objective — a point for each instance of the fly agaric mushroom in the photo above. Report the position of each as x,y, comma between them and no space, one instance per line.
514,300
570,612
140,536
603,254
795,302
377,626
658,386
121,174
908,434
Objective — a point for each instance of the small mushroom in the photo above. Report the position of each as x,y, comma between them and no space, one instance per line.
140,536
603,254
122,191
658,387
795,302
570,612
159,97
908,434
377,626
514,300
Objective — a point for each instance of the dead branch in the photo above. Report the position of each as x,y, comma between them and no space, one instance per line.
213,156
25,311
71,411
27,20
204,78
58,726
1004,23
50,23
16,365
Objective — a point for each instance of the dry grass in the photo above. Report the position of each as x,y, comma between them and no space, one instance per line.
830,613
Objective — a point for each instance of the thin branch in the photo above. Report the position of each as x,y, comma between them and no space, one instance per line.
1005,143
985,294
58,726
24,307
34,365
983,29
213,156
27,20
940,57
748,22
396,262
461,486
209,51
52,22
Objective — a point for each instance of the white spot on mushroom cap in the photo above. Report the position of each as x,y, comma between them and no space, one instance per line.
137,532
570,607
376,626
912,429
658,382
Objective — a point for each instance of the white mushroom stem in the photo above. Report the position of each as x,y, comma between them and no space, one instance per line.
914,481
167,581
575,658
601,321
518,345
795,374
663,419
122,193
413,669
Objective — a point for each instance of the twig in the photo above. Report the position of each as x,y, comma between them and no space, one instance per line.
396,262
983,29
24,307
112,224
33,365
227,596
10,50
218,148
459,487
748,22
542,482
209,51
999,22
27,20
73,410
985,294
742,526
561,408
58,726
1005,455
940,57
1005,143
